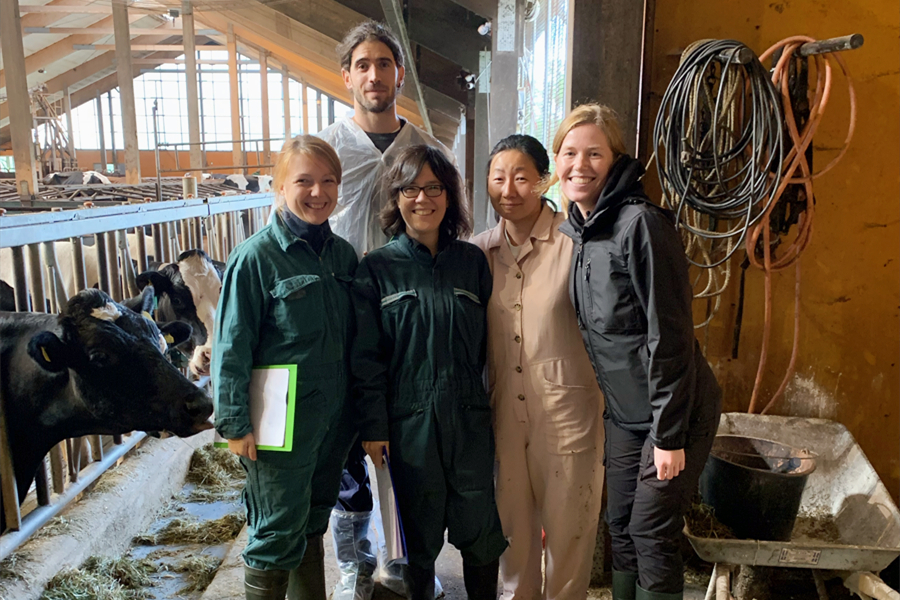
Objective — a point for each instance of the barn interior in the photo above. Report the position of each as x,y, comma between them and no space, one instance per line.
134,130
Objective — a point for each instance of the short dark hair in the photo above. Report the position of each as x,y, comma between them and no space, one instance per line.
409,163
528,146
368,31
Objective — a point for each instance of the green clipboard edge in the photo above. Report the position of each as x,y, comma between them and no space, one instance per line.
291,409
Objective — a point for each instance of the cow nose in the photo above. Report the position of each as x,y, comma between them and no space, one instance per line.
199,407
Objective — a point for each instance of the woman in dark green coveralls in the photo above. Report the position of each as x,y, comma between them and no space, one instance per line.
286,300
417,363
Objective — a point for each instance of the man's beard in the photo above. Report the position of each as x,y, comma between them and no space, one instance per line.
374,106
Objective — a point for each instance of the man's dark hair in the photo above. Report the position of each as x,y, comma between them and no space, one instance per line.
406,168
368,31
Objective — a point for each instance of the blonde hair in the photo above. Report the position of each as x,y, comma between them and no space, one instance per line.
589,114
302,145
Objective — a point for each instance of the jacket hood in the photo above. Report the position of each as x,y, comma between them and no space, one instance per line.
622,184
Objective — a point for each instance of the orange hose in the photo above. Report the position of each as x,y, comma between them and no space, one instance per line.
794,160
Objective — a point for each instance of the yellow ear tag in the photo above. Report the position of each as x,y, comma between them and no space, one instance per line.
170,339
146,315
44,353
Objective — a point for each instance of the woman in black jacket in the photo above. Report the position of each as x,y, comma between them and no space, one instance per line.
632,296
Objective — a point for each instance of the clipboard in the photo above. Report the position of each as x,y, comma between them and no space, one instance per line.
394,538
273,402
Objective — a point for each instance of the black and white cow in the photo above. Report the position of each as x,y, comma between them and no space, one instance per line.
76,178
188,291
96,368
246,183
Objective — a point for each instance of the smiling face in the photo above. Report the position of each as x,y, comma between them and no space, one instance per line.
582,164
310,189
374,77
512,186
423,215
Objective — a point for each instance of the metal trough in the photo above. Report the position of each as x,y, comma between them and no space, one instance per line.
847,521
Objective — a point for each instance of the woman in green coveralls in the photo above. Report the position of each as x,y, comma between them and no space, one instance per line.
417,363
286,300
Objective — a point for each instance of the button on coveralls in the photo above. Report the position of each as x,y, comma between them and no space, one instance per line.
417,366
282,303
547,408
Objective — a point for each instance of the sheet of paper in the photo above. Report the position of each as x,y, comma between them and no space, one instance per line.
269,389
394,540
268,405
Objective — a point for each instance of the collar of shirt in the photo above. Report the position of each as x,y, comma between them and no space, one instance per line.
288,229
418,251
540,231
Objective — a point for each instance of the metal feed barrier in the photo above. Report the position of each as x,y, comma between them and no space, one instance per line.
215,225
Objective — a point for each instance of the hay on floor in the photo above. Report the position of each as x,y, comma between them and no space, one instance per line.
184,531
102,578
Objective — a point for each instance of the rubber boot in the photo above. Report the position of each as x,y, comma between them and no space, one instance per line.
624,585
355,556
307,581
264,585
419,582
642,594
481,582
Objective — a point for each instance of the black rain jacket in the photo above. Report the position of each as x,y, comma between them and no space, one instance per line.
630,288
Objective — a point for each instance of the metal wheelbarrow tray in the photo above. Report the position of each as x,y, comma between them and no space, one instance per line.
844,492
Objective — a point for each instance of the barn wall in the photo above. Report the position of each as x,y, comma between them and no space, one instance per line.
850,334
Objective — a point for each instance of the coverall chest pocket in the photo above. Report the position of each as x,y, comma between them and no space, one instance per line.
469,322
399,313
298,306
612,299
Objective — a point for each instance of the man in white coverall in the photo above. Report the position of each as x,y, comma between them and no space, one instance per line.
367,144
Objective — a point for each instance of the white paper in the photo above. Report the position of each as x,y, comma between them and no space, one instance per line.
394,542
268,406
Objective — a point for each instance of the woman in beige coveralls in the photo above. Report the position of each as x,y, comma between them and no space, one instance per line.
547,405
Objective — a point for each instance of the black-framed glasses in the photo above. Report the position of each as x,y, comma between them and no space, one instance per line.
412,191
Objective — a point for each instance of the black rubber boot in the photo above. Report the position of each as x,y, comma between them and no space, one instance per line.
419,582
307,581
643,594
624,585
481,582
264,585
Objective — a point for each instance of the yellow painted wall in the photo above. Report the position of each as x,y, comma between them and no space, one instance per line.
850,332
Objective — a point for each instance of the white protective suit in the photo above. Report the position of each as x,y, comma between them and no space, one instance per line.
363,191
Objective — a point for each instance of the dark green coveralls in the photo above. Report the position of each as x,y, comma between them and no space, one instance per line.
417,363
281,303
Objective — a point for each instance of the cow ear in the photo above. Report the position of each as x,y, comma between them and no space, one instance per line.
160,282
175,332
49,352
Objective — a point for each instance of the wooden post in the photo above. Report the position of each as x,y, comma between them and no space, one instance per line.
102,133
264,92
20,119
70,126
286,97
304,100
126,92
193,96
236,148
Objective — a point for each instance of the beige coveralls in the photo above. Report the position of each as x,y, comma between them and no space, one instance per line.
547,416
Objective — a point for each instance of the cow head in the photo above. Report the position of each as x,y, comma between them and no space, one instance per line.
188,291
121,380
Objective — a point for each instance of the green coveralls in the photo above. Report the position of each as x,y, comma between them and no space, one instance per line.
417,364
283,304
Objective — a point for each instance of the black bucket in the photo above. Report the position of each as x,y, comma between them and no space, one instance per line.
754,485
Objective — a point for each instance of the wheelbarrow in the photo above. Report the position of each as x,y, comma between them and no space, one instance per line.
863,533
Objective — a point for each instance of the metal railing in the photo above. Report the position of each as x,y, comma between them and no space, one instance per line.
215,225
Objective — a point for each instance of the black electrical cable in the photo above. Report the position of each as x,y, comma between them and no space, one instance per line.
719,146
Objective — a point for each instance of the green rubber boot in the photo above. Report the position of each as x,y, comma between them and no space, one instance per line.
307,581
624,585
643,594
264,585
